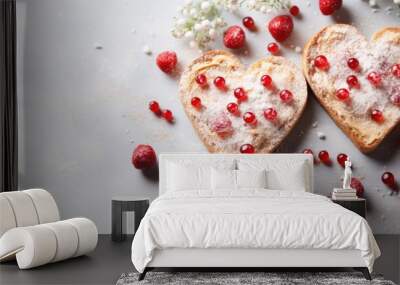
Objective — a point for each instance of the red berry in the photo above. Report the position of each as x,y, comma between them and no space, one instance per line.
266,80
375,78
396,70
247,148
308,151
294,10
281,27
328,7
167,114
377,116
249,118
353,63
342,94
270,114
341,159
144,156
273,48
395,99
286,96
154,107
352,81
321,62
240,94
201,79
196,102
248,22
388,179
234,37
232,108
219,82
323,155
167,61
356,184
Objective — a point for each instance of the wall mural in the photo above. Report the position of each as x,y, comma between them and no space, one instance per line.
252,110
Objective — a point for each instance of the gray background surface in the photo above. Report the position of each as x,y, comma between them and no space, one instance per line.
82,110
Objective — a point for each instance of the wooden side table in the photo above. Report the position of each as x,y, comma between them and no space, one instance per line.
358,206
122,204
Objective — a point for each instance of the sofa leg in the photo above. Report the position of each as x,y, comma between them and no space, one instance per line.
143,274
364,271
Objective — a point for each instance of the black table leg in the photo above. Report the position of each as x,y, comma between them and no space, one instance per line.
116,222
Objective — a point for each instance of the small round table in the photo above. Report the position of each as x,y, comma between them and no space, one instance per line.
121,204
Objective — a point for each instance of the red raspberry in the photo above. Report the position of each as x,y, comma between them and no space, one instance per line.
281,27
144,157
234,37
328,7
167,61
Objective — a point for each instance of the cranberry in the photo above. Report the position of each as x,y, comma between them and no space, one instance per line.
240,94
270,114
342,94
321,62
356,184
201,79
395,99
219,82
266,80
286,96
294,10
196,102
273,48
167,114
388,179
375,78
232,108
377,116
341,159
248,22
247,148
249,118
323,155
353,63
352,81
154,107
396,70
144,156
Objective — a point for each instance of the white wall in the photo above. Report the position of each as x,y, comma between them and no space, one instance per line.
82,110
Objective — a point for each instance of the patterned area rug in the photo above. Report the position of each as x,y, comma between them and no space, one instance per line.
244,278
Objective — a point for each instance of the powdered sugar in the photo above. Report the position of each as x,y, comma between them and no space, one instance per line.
259,98
378,57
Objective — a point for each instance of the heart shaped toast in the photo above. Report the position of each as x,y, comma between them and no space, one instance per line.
370,109
272,113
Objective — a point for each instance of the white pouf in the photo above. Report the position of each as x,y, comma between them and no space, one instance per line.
31,232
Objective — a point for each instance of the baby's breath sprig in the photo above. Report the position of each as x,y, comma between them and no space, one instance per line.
199,22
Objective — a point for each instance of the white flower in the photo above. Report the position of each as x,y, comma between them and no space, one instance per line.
212,33
193,12
197,27
205,23
192,44
180,21
179,9
189,35
205,5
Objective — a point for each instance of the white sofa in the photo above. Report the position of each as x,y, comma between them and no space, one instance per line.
31,231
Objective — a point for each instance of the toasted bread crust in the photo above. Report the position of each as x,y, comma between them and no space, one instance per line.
231,64
359,136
